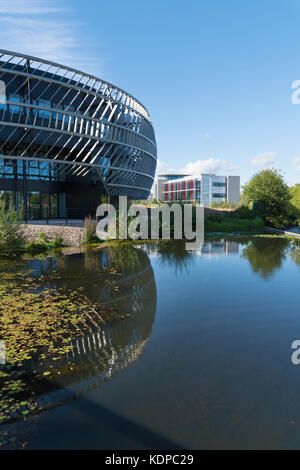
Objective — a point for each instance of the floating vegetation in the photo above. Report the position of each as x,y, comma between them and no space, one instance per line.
38,321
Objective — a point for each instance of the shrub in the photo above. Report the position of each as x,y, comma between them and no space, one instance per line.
42,237
271,197
36,247
244,212
42,243
224,205
12,237
295,203
57,242
231,224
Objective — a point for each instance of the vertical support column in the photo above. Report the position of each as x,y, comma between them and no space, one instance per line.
25,195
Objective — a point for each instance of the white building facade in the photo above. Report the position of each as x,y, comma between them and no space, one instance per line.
204,189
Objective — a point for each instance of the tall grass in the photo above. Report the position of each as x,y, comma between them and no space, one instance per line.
89,233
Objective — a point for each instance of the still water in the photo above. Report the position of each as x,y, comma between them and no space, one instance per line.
202,359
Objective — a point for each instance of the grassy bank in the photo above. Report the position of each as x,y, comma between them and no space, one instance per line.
231,224
13,242
42,244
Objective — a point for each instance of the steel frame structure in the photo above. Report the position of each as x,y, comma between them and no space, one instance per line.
78,123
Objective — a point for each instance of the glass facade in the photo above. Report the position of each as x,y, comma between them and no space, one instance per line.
8,199
62,145
197,189
31,170
39,205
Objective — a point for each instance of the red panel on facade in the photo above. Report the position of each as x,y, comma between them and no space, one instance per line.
167,192
172,191
191,189
184,190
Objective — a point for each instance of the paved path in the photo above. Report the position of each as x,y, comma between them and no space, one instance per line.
282,232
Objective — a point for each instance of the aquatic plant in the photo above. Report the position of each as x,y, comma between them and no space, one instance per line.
42,243
37,321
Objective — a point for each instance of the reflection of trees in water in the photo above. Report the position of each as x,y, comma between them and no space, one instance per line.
295,251
121,258
265,255
171,253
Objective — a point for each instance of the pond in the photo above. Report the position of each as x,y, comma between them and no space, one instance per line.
196,353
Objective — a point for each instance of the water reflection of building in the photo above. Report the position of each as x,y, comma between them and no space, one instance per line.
104,349
40,267
225,247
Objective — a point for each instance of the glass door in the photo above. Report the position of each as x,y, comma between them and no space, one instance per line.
45,205
34,205
53,206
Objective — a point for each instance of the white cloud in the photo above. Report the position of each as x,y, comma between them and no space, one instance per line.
30,7
163,166
296,159
160,165
211,165
37,28
264,159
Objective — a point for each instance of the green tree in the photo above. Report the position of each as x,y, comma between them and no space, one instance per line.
271,196
12,238
295,202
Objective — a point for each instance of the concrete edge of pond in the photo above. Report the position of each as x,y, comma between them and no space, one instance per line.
282,232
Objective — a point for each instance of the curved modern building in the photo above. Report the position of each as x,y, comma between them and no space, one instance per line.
67,138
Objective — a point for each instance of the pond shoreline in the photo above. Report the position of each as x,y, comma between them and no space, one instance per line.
80,247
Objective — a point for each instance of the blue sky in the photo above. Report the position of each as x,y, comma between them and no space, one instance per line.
215,75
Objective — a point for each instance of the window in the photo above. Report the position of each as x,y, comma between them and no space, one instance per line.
34,205
33,171
7,168
15,99
62,205
39,170
59,116
20,200
45,205
218,184
42,113
69,118
19,164
218,195
8,199
53,205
